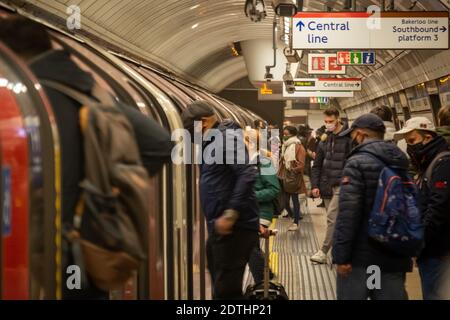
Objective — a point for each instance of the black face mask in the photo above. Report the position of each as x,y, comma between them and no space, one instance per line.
415,151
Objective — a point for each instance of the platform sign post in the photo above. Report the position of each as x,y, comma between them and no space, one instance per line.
356,30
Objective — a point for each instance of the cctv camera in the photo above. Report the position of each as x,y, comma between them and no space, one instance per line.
291,55
285,8
290,87
268,76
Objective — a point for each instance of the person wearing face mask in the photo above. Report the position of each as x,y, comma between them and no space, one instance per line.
353,252
290,172
429,155
326,174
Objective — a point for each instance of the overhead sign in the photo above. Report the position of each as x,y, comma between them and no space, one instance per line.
322,100
324,63
327,84
362,30
356,58
308,94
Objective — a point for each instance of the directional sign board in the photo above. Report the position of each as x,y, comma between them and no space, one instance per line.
308,94
361,30
360,58
324,63
327,84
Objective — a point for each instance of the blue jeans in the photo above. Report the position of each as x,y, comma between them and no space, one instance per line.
296,203
354,286
432,274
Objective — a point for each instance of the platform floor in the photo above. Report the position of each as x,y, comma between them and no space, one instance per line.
303,279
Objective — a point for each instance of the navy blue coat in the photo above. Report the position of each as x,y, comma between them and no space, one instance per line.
228,185
357,194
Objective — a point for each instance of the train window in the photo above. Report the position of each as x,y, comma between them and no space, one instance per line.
106,75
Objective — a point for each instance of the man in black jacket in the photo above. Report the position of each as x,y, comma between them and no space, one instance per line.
364,268
427,152
326,174
227,198
32,43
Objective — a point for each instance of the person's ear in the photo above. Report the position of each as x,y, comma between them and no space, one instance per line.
427,138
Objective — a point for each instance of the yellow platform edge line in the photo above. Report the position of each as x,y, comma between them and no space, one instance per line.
273,257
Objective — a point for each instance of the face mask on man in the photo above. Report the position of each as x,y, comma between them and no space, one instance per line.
331,126
286,138
355,142
415,152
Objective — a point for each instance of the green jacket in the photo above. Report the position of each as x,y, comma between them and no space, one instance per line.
267,189
444,132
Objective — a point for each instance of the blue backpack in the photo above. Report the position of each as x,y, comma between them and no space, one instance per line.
395,220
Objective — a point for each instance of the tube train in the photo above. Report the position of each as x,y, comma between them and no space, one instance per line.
30,187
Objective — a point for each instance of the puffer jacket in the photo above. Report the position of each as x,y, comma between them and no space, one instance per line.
330,159
357,194
267,189
434,202
228,185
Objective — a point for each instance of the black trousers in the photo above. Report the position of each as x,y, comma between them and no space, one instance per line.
227,257
256,264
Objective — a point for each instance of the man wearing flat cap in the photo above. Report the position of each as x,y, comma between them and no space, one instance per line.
353,252
227,199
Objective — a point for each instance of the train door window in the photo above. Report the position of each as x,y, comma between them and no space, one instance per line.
106,75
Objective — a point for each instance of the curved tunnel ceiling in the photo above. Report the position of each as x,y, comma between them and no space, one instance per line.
193,38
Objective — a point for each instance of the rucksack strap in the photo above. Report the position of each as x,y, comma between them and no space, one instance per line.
429,172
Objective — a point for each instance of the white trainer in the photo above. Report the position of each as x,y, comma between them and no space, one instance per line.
293,227
284,213
319,257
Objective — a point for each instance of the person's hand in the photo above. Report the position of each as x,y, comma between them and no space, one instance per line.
264,232
344,269
315,193
224,224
